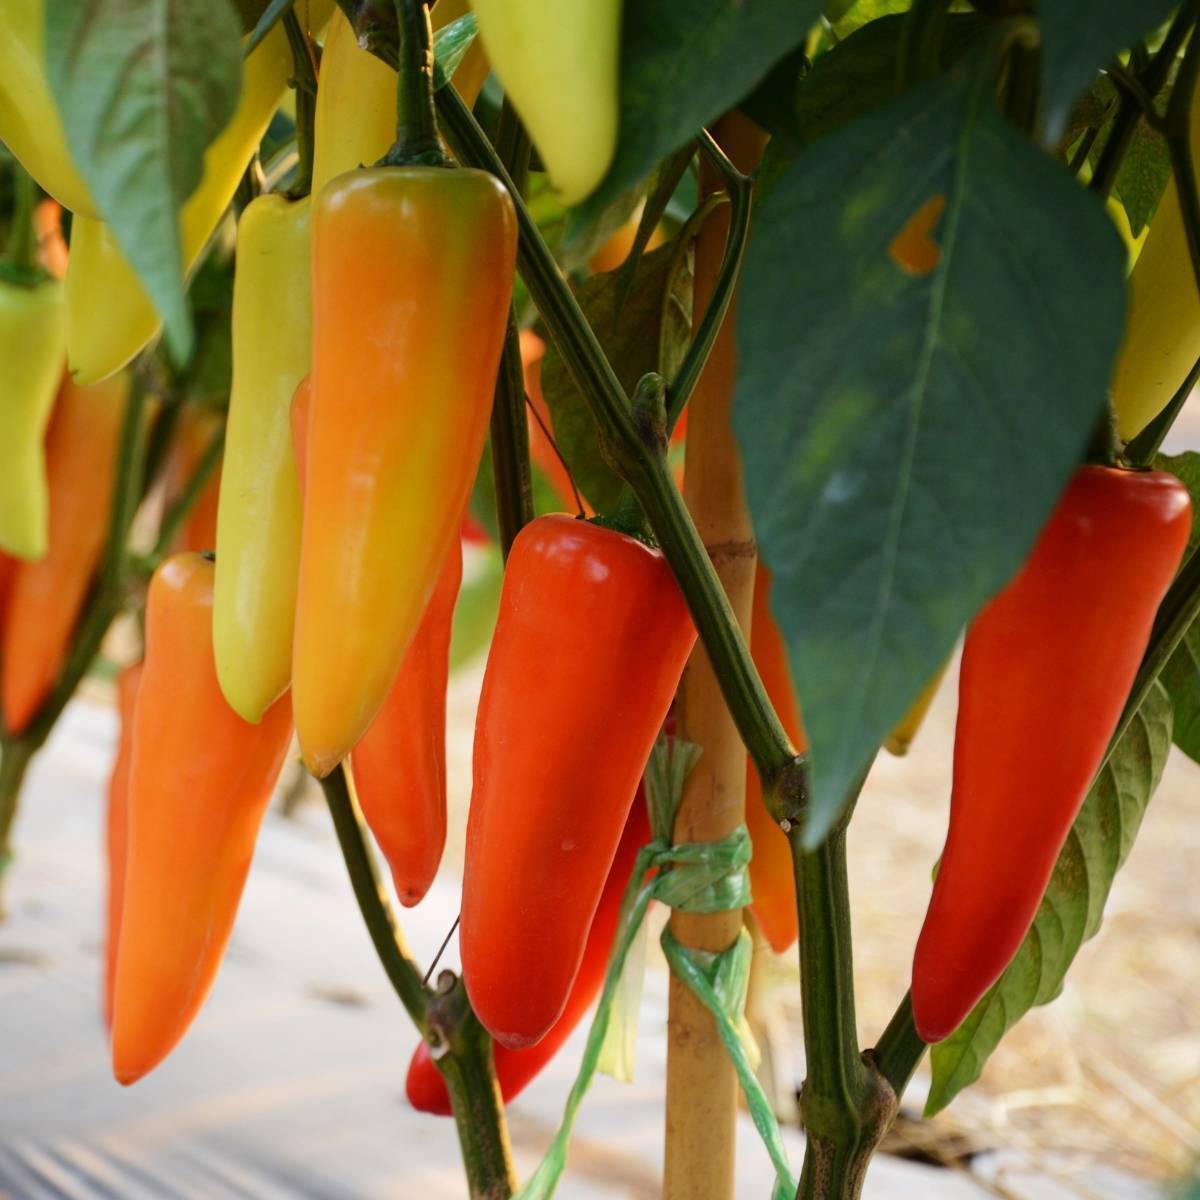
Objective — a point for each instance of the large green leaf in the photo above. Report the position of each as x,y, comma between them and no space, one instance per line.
1081,36
1073,907
642,333
1181,675
144,86
905,435
684,63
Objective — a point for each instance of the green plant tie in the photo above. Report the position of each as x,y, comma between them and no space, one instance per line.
701,877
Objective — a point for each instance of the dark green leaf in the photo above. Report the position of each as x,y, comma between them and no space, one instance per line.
642,335
1181,675
905,435
856,15
1142,179
144,86
683,64
1079,37
1073,907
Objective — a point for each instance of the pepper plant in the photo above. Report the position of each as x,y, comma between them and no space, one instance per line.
927,306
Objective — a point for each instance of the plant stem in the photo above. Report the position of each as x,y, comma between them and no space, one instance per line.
417,140
304,82
899,1050
509,424
1141,451
1177,130
466,1065
15,757
22,246
386,937
645,470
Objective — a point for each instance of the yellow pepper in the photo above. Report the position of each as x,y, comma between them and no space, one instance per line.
898,741
258,519
110,319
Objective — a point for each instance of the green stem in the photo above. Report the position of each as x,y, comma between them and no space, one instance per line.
899,1050
1177,130
401,969
22,247
417,140
509,425
463,1054
646,472
15,757
740,190
304,82
1141,451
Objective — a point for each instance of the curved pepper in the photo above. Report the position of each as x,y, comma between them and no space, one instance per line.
117,827
48,595
356,102
30,124
110,319
516,1069
399,765
258,520
772,875
558,63
412,278
193,436
199,784
590,643
32,343
1046,670
1162,329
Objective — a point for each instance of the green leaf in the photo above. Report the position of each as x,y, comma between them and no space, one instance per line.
855,15
1181,675
1073,907
905,436
144,86
683,64
1143,177
1079,37
644,333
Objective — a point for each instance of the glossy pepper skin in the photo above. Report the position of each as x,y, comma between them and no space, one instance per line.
399,764
356,102
117,828
412,278
557,59
30,124
1046,669
48,595
110,319
199,783
516,1069
32,342
591,640
1162,329
258,519
772,876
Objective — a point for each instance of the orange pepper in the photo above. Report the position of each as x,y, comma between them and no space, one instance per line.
541,449
48,594
192,440
199,782
117,826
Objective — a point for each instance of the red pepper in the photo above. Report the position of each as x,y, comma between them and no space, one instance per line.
591,640
1046,671
516,1069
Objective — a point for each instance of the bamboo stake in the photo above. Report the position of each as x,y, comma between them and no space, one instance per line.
701,1085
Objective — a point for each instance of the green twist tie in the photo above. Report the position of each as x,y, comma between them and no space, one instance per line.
694,877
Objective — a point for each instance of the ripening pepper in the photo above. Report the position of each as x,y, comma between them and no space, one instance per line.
356,102
110,318
399,764
398,767
592,637
558,63
32,343
258,520
51,245
772,875
194,434
30,124
516,1069
412,278
1046,670
48,595
117,828
199,783
1162,328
